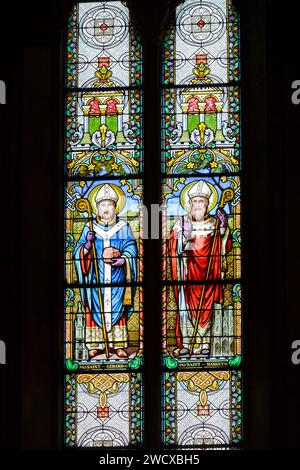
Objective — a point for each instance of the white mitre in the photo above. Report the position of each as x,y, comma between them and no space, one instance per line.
106,192
200,189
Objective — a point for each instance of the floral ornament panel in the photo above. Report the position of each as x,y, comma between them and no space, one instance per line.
103,410
202,409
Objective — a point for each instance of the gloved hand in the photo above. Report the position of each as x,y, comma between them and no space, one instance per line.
221,214
186,225
90,238
118,262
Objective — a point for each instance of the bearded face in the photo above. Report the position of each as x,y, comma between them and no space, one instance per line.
199,206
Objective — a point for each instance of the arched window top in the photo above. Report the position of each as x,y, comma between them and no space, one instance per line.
202,46
103,50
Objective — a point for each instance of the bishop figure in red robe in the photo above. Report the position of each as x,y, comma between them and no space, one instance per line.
190,247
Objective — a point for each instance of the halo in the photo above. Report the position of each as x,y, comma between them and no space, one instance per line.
121,195
184,198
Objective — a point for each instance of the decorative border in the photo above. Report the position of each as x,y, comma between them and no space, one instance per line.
168,409
236,404
168,69
136,418
72,49
136,72
70,413
234,42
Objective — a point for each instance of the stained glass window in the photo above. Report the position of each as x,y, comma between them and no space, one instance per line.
103,228
201,192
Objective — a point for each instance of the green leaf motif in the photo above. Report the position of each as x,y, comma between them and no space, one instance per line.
235,361
136,362
70,365
170,362
70,303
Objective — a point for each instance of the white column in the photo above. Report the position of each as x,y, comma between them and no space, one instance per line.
202,112
102,108
120,117
120,136
185,135
86,136
184,108
219,133
85,110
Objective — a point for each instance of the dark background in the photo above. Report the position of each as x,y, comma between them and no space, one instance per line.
31,132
